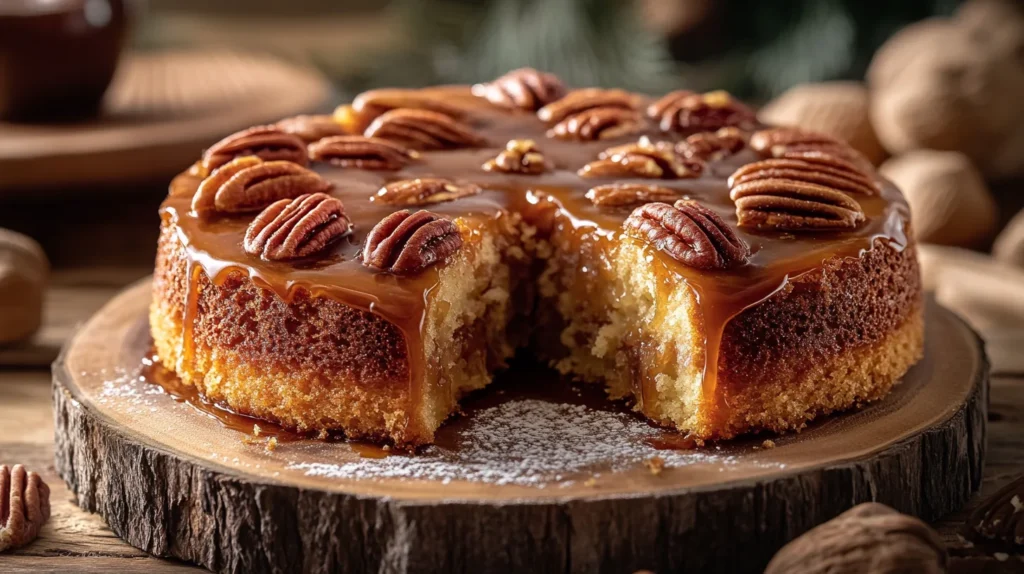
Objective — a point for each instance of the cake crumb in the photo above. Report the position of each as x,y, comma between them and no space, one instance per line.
256,430
322,435
768,443
272,444
590,482
655,464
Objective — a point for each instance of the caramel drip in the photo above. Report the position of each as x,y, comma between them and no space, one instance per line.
214,243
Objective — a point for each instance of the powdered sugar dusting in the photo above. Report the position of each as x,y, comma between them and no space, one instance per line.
527,442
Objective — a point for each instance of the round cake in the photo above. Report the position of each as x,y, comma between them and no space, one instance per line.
362,272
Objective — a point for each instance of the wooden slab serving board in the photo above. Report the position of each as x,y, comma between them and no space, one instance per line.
162,109
528,479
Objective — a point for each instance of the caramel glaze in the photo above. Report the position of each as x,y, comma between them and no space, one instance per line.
214,245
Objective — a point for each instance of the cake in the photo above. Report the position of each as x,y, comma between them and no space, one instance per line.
361,272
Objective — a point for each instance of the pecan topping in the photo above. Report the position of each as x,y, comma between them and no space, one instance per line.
712,146
586,99
253,187
24,506
269,143
373,103
826,170
631,194
311,128
686,111
203,199
362,152
424,191
525,88
423,129
794,205
1001,516
405,243
519,156
794,143
870,537
599,123
294,228
688,232
642,159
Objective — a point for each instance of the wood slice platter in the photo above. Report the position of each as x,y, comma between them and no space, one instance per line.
160,112
536,475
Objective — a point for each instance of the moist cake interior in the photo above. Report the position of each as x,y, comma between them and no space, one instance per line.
812,322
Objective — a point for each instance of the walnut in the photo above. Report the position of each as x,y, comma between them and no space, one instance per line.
689,233
23,276
949,198
296,228
519,156
837,109
407,243
24,506
1001,516
525,88
871,538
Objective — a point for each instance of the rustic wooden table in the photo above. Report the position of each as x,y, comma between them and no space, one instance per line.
75,541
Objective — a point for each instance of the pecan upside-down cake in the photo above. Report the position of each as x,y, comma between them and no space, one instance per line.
363,271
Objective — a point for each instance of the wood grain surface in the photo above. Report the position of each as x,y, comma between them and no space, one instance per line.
76,541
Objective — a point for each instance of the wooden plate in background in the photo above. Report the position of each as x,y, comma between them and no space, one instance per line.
160,112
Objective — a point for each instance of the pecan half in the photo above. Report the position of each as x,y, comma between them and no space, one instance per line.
204,199
689,233
424,191
405,243
642,159
599,123
793,205
253,187
525,88
631,194
362,152
794,142
295,228
826,170
1001,516
269,143
686,111
423,129
519,156
870,537
311,128
24,506
578,101
712,146
373,103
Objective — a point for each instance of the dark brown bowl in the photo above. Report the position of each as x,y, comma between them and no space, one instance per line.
57,57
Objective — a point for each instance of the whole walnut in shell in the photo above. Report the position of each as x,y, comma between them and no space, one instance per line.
1009,245
870,537
23,275
837,109
949,201
943,84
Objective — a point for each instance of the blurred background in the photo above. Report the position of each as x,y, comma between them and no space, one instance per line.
929,90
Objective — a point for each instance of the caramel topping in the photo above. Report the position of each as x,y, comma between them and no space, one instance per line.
554,201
